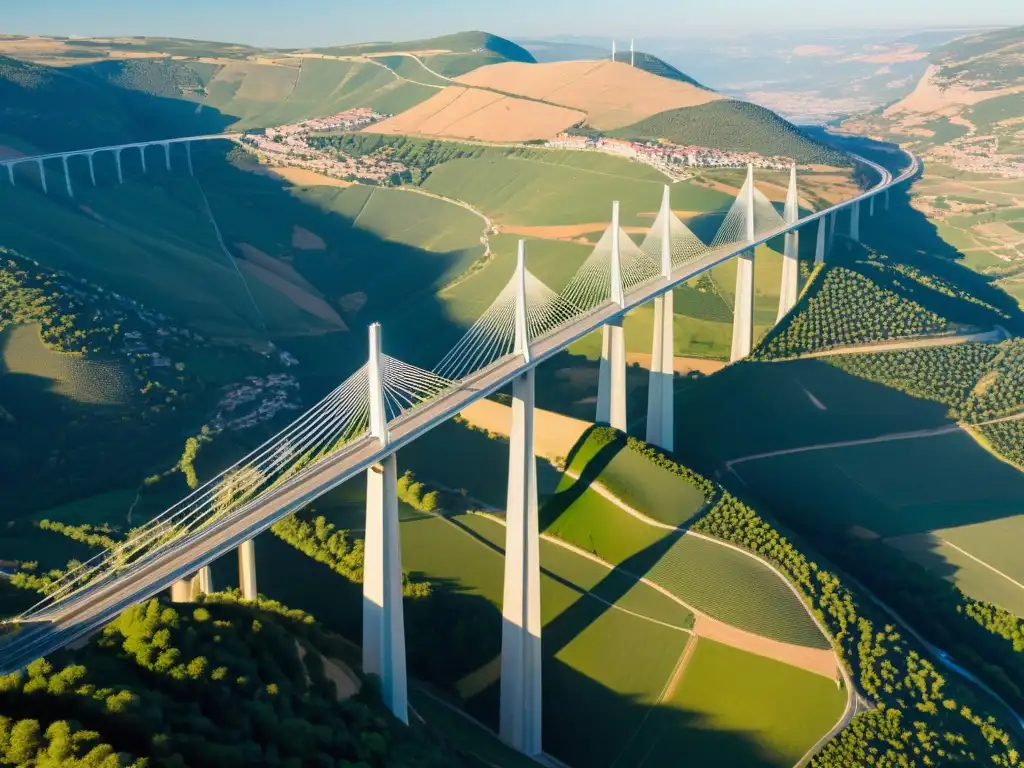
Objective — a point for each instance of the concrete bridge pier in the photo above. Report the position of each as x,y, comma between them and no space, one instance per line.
67,176
383,620
520,708
886,199
167,154
819,246
142,154
247,570
743,311
611,385
871,206
117,160
42,175
833,224
855,222
188,157
203,581
660,415
791,252
181,591
520,717
92,168
10,174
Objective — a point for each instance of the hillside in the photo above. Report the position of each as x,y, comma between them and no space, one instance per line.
733,125
656,66
966,120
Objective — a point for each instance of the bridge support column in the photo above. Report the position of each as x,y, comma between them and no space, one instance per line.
743,312
855,222
791,252
117,160
833,224
520,719
67,176
181,591
383,620
203,581
10,174
188,157
247,569
42,175
92,169
611,385
819,247
871,206
660,415
142,154
887,199
167,154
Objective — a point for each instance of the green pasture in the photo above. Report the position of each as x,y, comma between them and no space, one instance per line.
653,490
563,187
738,709
25,356
411,69
261,95
151,241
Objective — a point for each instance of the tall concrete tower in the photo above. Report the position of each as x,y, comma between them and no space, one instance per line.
632,54
613,50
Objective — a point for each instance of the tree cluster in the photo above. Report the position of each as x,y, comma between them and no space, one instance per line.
221,684
846,307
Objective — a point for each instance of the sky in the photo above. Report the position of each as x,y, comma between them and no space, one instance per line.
302,23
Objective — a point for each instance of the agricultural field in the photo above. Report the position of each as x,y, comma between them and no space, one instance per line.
608,93
26,361
745,714
551,187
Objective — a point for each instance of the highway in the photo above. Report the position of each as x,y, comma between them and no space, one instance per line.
101,601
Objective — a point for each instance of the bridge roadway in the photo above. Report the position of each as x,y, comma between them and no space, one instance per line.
101,601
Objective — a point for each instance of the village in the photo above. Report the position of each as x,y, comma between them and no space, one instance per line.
157,349
288,146
670,158
979,154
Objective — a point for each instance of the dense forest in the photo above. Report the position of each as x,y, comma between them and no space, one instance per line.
222,683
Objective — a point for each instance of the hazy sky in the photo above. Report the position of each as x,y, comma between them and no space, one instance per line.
299,23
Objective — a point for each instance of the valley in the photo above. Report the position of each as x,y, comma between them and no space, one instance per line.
823,565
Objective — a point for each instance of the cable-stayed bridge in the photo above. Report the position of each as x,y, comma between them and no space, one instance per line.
386,404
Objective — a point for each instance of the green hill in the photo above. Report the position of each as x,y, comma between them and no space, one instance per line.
45,106
650,63
733,125
986,61
461,42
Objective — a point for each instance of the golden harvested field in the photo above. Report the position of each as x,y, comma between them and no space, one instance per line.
278,267
302,177
469,113
612,94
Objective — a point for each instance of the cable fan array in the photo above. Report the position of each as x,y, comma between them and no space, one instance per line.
342,416
406,386
684,246
734,226
492,336
591,285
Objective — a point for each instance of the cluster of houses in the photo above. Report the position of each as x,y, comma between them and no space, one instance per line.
349,120
255,400
668,156
287,146
980,155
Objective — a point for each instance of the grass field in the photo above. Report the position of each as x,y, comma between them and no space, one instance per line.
563,187
90,382
746,715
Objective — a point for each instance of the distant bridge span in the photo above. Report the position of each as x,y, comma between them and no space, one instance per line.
388,404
